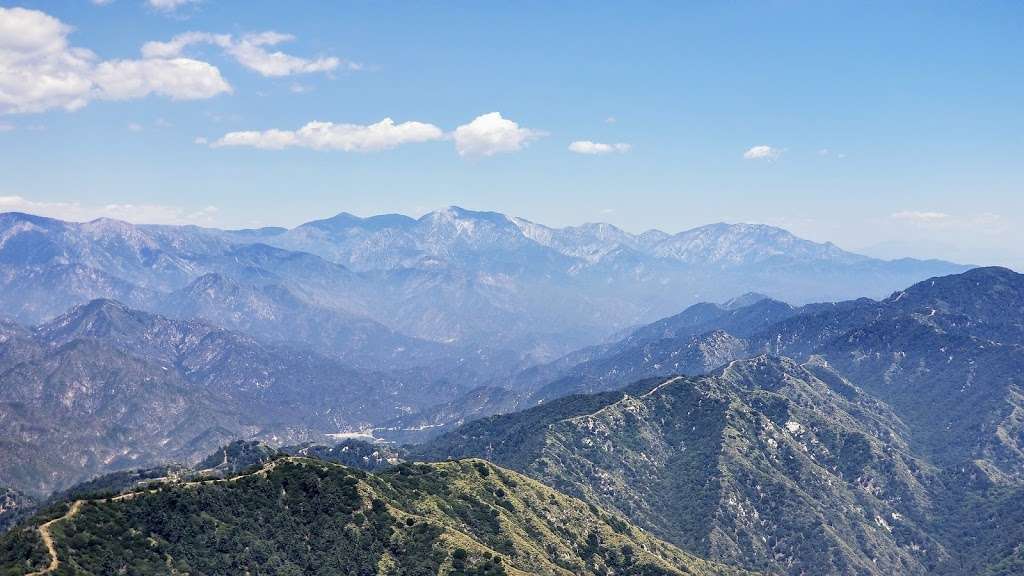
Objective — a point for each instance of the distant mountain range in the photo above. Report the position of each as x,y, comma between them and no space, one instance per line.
485,284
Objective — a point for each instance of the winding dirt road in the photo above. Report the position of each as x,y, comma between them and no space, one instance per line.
46,535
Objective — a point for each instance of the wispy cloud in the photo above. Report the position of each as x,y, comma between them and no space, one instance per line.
330,136
135,213
250,50
920,216
826,152
762,152
598,148
988,223
168,5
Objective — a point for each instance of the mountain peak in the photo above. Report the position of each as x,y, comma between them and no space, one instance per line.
765,372
459,213
992,294
99,317
346,220
744,300
26,217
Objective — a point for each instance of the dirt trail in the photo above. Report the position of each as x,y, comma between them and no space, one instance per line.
46,535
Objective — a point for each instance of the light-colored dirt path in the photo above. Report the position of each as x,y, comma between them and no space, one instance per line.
47,537
45,528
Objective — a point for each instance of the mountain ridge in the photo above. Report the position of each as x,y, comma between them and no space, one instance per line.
460,517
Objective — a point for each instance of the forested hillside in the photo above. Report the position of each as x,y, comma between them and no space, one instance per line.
297,515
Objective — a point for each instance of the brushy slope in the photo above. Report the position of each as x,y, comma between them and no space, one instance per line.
297,515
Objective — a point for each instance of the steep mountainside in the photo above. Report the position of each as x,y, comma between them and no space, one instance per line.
465,517
946,353
13,506
762,464
272,313
908,411
104,387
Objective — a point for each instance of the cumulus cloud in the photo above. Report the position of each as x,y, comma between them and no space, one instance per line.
491,134
40,70
486,135
176,78
330,136
594,148
249,50
762,153
136,213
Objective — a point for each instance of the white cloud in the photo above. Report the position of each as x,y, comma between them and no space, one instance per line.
330,136
491,134
6,127
201,140
136,213
920,217
101,2
610,120
169,5
250,51
40,70
134,127
176,78
762,153
593,148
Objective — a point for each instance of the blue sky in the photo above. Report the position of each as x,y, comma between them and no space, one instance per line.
894,128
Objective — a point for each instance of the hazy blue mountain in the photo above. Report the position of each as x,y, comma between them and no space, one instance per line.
104,387
273,313
486,282
438,419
